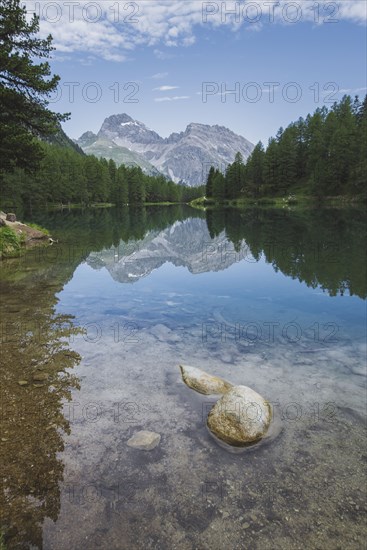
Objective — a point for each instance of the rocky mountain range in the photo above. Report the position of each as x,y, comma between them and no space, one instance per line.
186,243
183,157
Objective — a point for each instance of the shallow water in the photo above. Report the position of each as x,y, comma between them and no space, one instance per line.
271,299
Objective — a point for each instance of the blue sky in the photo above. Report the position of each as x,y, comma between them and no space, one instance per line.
153,59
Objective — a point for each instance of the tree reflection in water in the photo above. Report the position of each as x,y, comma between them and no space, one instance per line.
319,247
36,379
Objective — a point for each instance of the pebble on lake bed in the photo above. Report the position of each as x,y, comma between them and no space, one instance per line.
203,382
144,440
40,376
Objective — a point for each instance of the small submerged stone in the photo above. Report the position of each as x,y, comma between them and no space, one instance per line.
22,382
240,417
40,376
144,440
203,382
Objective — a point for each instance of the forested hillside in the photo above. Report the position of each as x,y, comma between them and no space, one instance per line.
65,176
322,155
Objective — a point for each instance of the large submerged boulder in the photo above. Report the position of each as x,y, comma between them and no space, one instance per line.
203,382
240,417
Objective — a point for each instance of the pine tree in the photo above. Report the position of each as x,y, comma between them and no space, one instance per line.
121,193
316,161
209,183
219,186
359,182
271,168
112,168
234,179
136,186
24,89
343,145
255,171
103,193
287,158
93,175
301,149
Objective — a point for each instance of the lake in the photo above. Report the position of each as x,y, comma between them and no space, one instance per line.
94,329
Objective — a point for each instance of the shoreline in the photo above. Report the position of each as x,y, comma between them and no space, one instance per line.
15,236
299,201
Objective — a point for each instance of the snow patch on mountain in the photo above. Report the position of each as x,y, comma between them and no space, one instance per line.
184,157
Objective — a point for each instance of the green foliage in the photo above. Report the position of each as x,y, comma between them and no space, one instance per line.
255,171
234,178
64,177
24,89
209,183
324,155
9,242
136,186
216,186
2,542
120,186
38,227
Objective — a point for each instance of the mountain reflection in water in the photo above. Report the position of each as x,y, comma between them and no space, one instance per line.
321,248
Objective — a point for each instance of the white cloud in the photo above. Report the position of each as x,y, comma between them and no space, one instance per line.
353,10
62,58
174,98
165,88
109,56
112,28
163,56
350,90
159,76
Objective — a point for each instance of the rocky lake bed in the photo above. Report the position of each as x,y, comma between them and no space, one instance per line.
115,442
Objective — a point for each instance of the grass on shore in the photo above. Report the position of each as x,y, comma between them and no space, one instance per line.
107,205
10,242
38,227
78,205
291,200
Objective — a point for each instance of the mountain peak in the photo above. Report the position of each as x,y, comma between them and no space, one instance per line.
195,124
86,139
121,118
124,130
183,157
